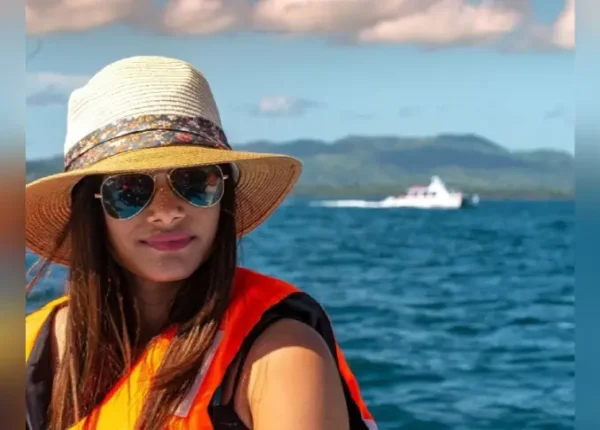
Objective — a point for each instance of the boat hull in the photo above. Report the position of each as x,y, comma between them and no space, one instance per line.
453,201
423,203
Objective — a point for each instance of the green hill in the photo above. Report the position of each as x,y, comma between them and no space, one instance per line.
361,166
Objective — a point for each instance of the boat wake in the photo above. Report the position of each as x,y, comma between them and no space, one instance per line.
355,204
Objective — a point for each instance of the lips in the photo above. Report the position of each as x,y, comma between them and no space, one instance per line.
169,241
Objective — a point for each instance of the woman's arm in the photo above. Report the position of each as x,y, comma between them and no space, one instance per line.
293,381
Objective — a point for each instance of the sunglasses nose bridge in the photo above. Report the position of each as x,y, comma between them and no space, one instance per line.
164,195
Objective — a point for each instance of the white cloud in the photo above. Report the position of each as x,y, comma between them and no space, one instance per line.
447,22
559,35
175,16
563,34
47,16
396,21
46,88
428,22
281,105
204,16
323,16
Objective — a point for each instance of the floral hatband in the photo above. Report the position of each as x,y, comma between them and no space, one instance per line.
144,132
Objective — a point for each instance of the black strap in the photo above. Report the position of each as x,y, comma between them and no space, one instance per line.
39,378
241,356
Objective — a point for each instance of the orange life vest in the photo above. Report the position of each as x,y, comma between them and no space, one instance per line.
253,294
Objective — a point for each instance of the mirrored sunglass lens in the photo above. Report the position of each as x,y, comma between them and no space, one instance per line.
201,186
124,196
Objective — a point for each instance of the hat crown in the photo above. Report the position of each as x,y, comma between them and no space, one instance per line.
138,86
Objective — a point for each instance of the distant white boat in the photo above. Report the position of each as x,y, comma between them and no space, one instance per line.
433,196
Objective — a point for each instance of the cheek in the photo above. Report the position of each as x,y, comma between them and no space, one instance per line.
206,223
118,233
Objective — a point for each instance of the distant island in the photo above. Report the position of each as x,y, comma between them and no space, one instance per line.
377,166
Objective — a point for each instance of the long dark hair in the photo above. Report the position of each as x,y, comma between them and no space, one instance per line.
102,325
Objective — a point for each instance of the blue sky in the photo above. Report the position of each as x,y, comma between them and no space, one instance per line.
287,69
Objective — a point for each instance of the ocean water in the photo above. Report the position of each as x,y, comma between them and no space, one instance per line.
450,319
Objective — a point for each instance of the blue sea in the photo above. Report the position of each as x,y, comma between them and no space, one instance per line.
459,320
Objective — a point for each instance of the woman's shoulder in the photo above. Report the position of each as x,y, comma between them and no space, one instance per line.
292,375
289,376
53,314
47,326
289,338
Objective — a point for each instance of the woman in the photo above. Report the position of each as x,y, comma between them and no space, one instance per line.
160,328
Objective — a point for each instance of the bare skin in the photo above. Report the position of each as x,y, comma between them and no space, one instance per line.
289,377
290,381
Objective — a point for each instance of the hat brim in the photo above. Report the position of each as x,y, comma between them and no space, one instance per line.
264,181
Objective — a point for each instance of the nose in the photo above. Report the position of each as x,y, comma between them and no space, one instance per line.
165,209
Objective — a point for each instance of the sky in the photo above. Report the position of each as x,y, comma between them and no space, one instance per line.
325,69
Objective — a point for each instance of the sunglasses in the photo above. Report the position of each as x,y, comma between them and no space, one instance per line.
125,195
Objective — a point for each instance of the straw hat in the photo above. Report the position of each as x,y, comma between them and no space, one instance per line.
145,113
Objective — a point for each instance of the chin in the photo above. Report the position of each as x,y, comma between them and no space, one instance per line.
171,267
169,274
172,277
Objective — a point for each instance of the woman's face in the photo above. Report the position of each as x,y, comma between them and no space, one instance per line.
168,240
